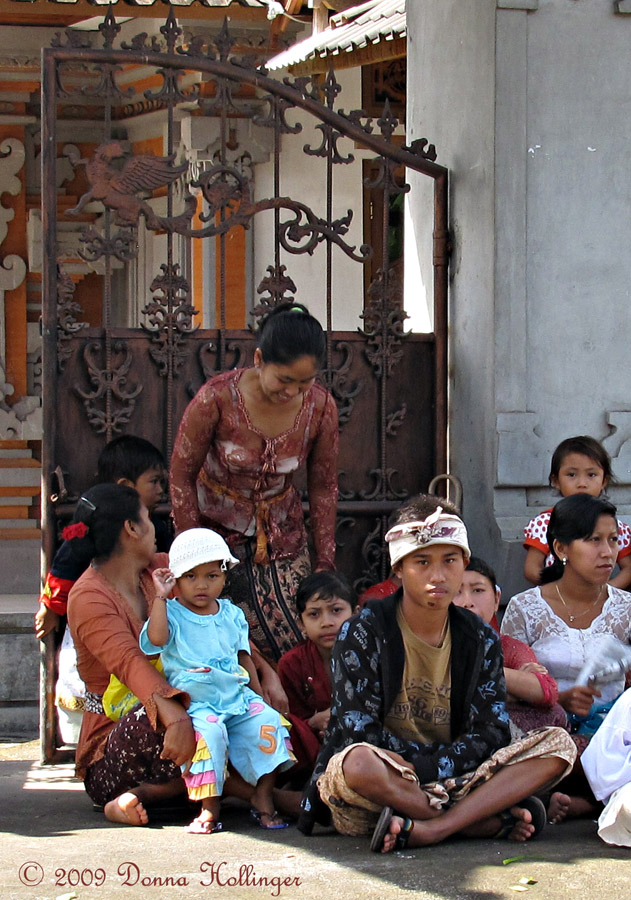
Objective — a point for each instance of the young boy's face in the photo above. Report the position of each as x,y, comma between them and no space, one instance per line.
150,486
322,620
431,576
479,595
200,588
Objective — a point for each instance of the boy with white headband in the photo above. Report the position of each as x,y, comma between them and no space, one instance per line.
418,715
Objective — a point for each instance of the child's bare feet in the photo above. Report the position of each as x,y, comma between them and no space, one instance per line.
126,809
559,807
262,805
205,823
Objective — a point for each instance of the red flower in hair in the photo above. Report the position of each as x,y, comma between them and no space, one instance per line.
78,530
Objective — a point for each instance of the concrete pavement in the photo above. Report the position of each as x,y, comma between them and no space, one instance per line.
55,845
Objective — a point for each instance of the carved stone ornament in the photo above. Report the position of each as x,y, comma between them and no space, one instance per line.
12,274
618,443
23,421
11,62
12,155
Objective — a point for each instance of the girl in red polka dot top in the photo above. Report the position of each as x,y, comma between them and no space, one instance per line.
580,465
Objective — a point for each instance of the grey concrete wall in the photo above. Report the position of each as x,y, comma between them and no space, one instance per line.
563,191
528,102
451,101
19,671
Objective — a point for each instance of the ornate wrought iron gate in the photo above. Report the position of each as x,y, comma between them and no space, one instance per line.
132,361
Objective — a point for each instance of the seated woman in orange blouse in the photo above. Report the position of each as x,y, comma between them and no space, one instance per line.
135,762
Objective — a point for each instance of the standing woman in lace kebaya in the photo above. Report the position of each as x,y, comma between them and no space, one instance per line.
241,439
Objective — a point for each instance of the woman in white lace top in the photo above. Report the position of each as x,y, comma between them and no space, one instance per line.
575,612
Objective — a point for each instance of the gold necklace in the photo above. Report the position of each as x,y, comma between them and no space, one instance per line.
578,615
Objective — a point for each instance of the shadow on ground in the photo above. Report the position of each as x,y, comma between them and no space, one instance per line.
49,823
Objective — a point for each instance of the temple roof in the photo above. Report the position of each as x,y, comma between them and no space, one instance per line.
69,12
371,23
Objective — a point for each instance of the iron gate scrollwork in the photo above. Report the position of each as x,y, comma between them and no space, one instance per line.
132,361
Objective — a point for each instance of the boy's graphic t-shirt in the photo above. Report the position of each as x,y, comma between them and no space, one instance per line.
421,711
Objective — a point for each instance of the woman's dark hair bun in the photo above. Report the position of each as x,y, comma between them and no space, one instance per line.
103,510
289,331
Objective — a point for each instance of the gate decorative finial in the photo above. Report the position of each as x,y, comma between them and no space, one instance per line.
331,87
171,31
224,42
387,122
109,28
116,188
276,287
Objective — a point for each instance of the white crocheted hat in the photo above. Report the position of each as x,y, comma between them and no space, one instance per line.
196,546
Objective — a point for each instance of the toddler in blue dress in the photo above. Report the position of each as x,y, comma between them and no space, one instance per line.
204,646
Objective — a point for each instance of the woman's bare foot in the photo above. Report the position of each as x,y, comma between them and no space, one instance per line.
126,809
559,807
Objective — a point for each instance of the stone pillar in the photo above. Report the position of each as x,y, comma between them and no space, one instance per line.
527,102
451,101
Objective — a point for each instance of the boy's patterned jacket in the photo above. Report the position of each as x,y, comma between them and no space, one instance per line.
367,669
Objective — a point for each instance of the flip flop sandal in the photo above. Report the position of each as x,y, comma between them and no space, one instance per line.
536,809
383,826
257,816
197,827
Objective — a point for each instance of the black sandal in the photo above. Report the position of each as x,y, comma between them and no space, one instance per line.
382,827
537,811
